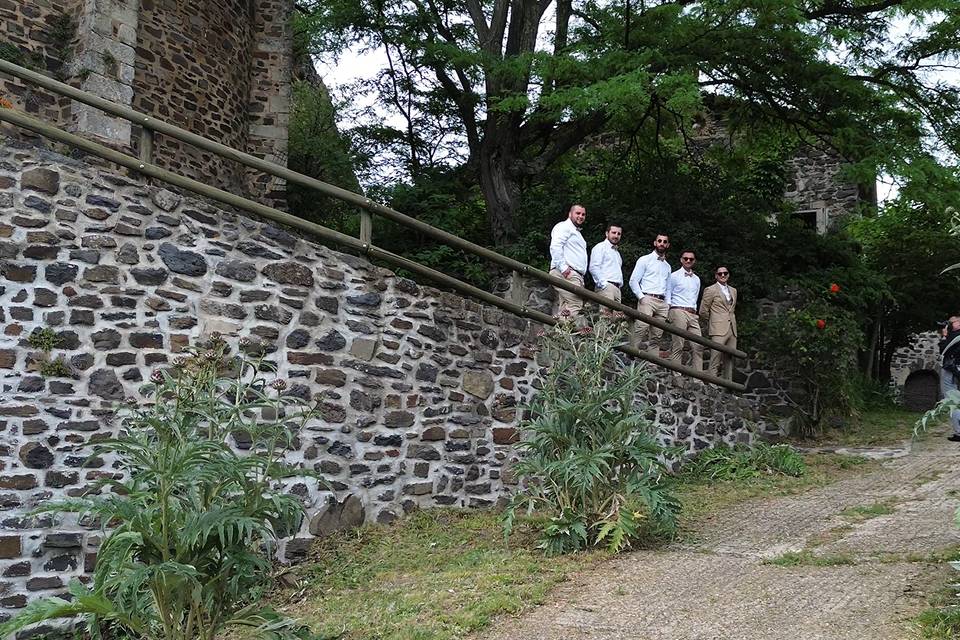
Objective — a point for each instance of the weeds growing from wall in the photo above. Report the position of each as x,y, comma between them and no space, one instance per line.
195,523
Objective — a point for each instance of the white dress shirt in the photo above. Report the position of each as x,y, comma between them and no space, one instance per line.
650,275
567,248
683,288
726,292
606,265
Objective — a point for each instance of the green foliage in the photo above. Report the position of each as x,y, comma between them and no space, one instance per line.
744,463
817,344
56,368
317,149
591,460
45,339
194,522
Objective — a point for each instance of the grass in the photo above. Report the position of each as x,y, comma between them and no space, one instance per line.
808,558
438,574
867,512
877,426
442,574
702,499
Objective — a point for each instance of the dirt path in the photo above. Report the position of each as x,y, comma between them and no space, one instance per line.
877,574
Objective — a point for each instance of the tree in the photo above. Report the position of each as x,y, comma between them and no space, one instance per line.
521,95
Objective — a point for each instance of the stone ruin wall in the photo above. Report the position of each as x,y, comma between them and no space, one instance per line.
221,70
921,355
815,185
419,389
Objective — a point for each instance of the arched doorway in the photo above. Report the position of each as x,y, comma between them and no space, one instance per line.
921,390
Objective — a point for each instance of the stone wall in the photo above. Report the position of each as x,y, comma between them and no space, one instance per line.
419,389
28,36
219,69
815,185
922,354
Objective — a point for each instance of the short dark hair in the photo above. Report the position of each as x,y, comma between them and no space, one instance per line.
688,251
614,224
721,266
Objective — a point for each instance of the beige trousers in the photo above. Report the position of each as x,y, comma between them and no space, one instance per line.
567,301
718,358
645,333
610,292
689,322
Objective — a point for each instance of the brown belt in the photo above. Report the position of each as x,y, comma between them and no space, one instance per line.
687,309
655,295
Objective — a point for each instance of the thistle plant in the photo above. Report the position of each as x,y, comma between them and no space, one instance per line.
193,524
590,459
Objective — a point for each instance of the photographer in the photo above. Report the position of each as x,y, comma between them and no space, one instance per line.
950,368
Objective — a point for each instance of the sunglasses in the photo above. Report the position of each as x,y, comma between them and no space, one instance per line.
723,273
688,259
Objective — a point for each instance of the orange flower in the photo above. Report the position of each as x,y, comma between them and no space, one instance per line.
834,287
6,104
821,324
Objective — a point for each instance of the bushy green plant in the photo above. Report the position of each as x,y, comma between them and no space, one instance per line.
56,368
44,339
194,523
590,459
744,463
815,343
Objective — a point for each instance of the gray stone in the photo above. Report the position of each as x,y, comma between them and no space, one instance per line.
289,273
42,180
128,254
166,200
186,262
363,348
398,419
34,455
298,339
478,384
240,270
156,233
332,341
338,516
102,273
365,300
104,383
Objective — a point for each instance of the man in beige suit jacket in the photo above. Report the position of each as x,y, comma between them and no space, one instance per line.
717,309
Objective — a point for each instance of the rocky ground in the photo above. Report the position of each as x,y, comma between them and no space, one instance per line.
856,559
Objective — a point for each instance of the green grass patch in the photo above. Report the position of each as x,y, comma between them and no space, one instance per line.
867,512
702,498
884,426
808,558
939,624
438,574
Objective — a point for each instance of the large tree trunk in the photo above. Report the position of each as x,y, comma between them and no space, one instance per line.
501,192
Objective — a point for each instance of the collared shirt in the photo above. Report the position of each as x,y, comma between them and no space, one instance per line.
726,291
567,247
606,265
650,275
683,287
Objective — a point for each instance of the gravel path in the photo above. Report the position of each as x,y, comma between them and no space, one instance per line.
879,576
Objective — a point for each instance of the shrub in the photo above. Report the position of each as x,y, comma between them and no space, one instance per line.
194,522
743,463
45,339
57,368
590,459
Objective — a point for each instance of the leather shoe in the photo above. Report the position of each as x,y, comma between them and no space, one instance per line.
954,438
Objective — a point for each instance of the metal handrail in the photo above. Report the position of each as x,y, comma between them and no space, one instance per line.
363,244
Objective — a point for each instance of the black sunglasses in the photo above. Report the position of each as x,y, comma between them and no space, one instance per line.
723,273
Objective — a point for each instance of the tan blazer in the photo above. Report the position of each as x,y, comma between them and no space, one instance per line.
717,312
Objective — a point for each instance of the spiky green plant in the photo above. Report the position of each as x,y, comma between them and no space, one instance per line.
743,463
194,523
590,459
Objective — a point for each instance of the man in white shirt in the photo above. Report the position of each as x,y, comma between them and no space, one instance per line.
568,259
606,266
683,289
649,283
718,310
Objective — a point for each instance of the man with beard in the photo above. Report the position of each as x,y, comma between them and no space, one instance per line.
606,266
683,289
649,283
568,259
718,311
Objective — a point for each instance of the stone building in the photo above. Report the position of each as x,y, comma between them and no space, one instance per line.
219,69
915,372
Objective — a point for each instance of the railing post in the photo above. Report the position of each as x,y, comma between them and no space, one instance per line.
366,227
146,147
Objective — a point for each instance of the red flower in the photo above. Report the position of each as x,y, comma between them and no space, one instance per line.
821,324
834,287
